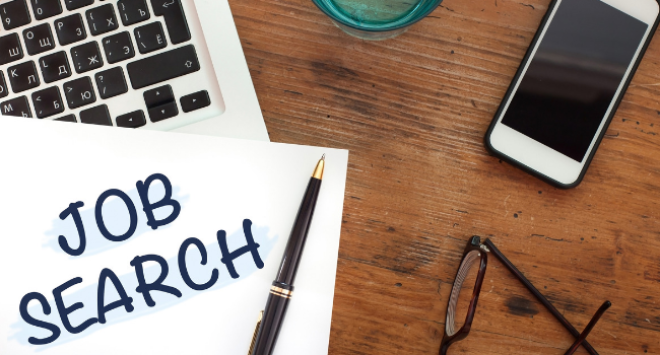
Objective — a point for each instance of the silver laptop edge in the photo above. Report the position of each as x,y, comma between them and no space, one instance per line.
242,117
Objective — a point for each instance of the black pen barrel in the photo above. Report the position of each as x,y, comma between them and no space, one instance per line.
282,288
278,301
296,243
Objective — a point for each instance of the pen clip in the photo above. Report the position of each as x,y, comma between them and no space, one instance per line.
256,332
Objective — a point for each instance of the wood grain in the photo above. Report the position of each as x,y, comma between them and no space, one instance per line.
413,111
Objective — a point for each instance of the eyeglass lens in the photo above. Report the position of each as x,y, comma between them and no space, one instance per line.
461,293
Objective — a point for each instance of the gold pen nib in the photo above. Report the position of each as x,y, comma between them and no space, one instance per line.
256,332
318,172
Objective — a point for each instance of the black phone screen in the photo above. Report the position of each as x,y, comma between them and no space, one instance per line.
574,75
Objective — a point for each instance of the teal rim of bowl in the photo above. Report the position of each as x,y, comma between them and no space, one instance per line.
400,23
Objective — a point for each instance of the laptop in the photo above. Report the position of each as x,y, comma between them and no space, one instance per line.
137,64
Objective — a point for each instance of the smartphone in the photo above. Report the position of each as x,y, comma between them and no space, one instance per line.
569,85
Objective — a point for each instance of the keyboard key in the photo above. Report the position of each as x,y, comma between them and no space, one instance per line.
70,29
111,83
76,4
133,11
55,67
46,8
162,67
3,86
23,77
47,102
161,103
150,37
102,19
14,14
175,19
96,115
10,49
163,112
18,107
158,96
38,39
195,101
67,118
132,120
86,57
79,92
118,47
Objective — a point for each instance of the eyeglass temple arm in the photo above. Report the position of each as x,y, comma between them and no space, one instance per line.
589,327
538,295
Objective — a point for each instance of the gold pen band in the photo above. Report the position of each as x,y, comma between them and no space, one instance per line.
278,291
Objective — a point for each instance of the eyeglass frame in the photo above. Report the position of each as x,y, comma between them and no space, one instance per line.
474,244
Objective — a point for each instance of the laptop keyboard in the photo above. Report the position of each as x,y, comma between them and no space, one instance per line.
78,58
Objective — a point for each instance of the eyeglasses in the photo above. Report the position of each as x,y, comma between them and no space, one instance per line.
474,253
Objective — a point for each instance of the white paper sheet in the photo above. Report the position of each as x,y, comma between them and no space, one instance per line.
219,183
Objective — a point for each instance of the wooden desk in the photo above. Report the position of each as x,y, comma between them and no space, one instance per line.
413,111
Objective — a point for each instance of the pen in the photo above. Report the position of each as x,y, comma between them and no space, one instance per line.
271,319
